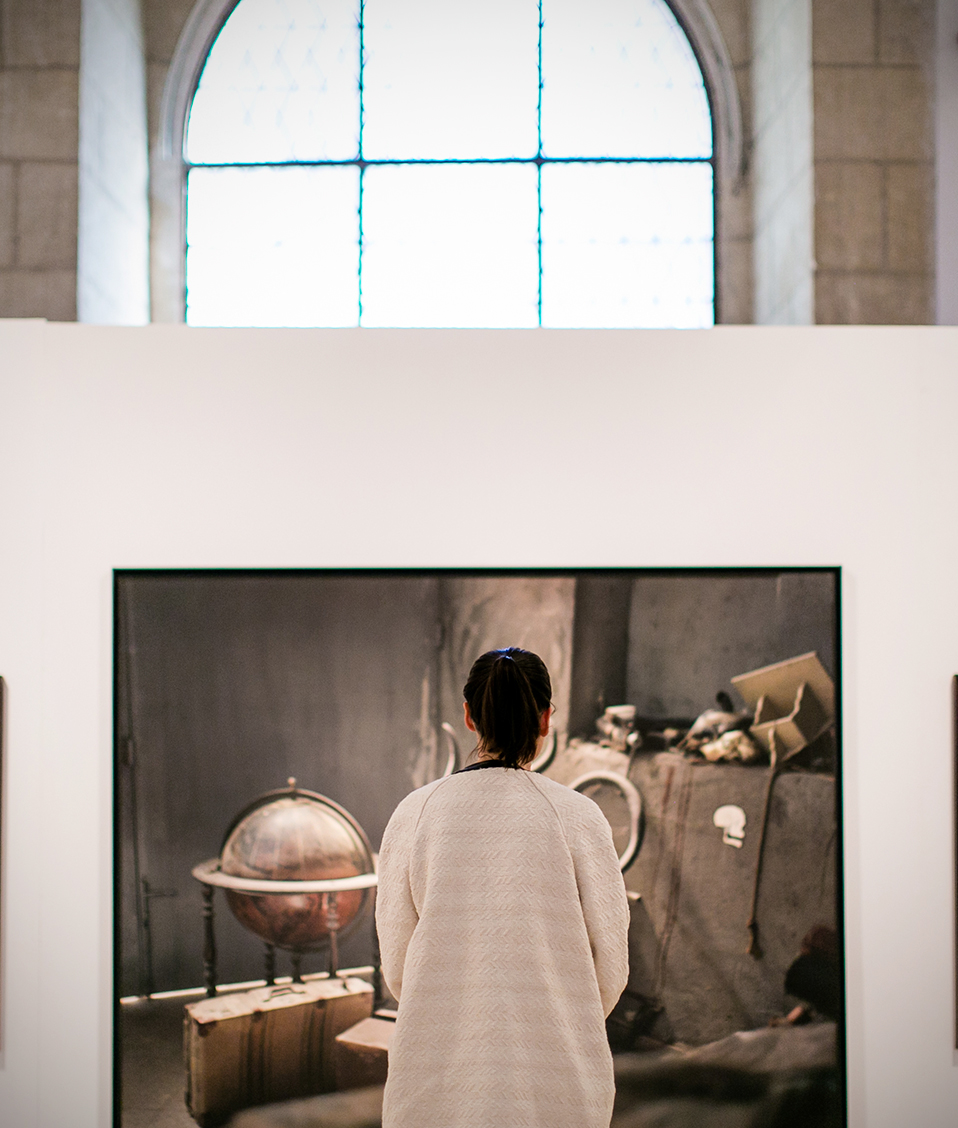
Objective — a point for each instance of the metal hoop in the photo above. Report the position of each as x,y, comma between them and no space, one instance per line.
633,800
455,753
209,873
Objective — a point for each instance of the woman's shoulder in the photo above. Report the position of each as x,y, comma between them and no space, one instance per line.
569,804
412,804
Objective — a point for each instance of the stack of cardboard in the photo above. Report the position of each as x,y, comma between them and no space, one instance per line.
362,1051
794,703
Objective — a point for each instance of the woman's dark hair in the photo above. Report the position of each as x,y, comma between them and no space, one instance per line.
507,692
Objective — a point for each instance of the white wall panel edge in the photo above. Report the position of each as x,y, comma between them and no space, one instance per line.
167,447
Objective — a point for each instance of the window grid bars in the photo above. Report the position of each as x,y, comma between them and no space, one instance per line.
539,171
363,163
362,166
538,160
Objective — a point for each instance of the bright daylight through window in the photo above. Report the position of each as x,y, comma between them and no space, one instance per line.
502,163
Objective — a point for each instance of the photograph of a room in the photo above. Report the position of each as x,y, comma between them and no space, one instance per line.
623,330
351,685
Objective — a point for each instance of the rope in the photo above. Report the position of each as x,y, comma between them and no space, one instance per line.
754,948
675,877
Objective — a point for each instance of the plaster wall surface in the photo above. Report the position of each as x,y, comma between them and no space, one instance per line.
783,171
113,228
169,447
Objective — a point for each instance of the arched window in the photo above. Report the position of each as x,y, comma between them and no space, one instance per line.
504,163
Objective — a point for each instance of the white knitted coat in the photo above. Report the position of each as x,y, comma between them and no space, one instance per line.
503,925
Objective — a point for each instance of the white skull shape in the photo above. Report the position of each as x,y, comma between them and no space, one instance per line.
731,821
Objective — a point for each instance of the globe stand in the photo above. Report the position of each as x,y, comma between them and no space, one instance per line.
331,904
209,942
209,875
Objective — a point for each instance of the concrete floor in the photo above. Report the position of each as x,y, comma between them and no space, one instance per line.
654,1091
151,1060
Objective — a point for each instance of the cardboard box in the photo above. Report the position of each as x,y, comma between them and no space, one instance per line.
362,1053
794,703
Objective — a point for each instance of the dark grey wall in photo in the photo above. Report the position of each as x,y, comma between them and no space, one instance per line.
228,685
690,634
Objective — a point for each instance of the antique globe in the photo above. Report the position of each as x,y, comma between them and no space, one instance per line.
296,836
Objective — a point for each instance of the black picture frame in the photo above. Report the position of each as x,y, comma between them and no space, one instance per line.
603,585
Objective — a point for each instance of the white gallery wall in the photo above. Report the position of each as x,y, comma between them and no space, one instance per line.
166,447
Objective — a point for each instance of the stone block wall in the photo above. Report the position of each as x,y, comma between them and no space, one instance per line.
73,169
946,162
39,90
874,161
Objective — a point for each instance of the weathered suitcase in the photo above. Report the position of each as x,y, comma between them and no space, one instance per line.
268,1044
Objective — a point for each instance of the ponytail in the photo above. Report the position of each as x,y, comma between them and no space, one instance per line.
507,692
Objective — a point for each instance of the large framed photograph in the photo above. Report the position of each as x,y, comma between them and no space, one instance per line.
267,724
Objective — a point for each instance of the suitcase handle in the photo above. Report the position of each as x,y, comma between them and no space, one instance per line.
286,989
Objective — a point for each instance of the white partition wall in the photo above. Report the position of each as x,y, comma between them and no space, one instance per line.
170,447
